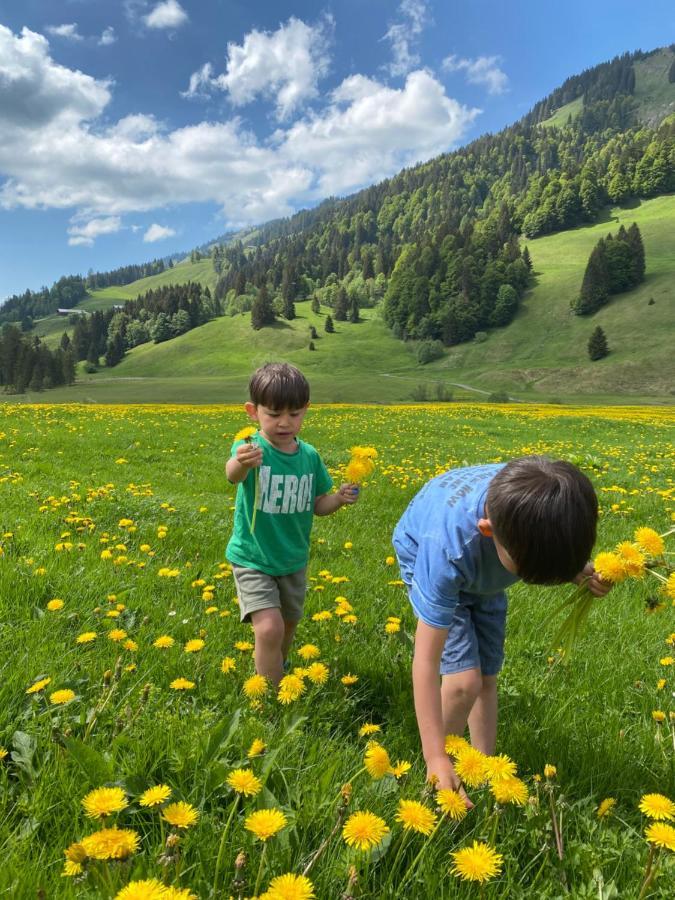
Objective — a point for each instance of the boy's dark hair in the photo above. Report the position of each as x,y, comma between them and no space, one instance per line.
279,386
544,513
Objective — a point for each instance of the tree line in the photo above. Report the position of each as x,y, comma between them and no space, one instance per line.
125,274
26,363
23,308
616,264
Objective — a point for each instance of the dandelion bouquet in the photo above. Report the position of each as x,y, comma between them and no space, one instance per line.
247,434
644,555
361,464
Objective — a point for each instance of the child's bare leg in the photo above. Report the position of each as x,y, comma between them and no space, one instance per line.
483,716
269,630
458,695
289,634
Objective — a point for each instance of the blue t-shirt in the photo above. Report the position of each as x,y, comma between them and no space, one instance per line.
441,552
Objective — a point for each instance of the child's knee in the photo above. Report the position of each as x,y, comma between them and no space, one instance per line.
268,626
463,687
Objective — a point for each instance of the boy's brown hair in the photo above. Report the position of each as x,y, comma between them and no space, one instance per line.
279,386
544,513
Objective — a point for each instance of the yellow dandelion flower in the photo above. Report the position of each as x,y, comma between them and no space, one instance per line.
163,642
401,768
480,862
58,698
257,747
290,887
415,816
660,684
180,815
86,637
173,893
667,660
309,651
243,646
290,689
255,687
656,806
509,790
75,853
389,561
146,889
550,771
376,761
323,616
116,634
228,665
245,433
357,470
104,801
670,586
364,830
194,646
243,781
349,679
71,869
451,804
265,823
661,835
111,843
471,766
392,627
454,744
4,753
605,807
38,686
500,767
55,605
317,673
369,728
155,796
658,716
609,567
649,541
181,684
631,557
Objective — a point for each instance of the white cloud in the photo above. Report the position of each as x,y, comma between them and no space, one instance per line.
108,37
285,64
157,233
403,35
85,235
69,32
169,14
60,151
482,70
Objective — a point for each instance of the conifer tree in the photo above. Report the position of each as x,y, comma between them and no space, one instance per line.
597,344
316,305
262,311
341,305
354,310
638,263
595,286
328,324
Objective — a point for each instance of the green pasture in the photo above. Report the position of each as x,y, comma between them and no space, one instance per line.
69,475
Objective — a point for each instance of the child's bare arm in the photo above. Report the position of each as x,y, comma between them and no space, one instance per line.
427,692
329,503
237,467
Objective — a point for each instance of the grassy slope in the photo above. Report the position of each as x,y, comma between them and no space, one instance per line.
653,92
544,350
561,115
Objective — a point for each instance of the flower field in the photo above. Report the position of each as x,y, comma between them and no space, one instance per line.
140,756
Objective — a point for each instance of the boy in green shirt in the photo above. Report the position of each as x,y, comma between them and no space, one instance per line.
269,547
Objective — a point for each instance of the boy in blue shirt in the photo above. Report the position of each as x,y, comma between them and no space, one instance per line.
467,536
282,483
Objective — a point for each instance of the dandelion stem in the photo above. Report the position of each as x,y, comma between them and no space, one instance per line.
650,872
221,848
260,870
404,839
411,868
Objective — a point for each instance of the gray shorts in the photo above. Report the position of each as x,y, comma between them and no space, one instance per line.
257,590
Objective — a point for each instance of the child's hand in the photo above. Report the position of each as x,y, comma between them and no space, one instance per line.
349,493
249,455
441,774
593,581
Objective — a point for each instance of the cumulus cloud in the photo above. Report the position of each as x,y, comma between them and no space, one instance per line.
285,64
157,233
60,151
108,37
404,34
169,14
69,32
483,70
85,235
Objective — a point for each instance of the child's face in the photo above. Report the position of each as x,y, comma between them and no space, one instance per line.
504,558
278,426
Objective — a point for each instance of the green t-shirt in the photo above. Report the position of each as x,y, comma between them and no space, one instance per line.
288,484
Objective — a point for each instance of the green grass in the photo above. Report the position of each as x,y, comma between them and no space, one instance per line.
654,94
73,473
560,116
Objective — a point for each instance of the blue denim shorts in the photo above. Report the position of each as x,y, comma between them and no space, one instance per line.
476,636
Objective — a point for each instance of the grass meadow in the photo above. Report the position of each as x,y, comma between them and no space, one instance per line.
123,513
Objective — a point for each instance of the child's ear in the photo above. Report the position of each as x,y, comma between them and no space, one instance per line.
251,410
485,528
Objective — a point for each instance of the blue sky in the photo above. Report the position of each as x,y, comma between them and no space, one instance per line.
140,128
